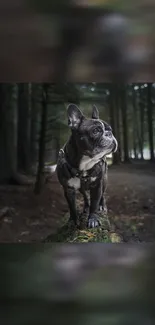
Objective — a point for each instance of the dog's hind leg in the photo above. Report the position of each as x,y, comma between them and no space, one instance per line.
86,201
102,204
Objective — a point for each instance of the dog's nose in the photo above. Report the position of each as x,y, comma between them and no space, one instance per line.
108,134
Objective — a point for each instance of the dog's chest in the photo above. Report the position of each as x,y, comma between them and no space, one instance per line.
88,163
75,182
90,169
82,182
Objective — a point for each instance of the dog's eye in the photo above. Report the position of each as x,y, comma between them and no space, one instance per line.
96,130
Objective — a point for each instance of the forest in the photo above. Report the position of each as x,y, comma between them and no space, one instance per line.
33,127
112,42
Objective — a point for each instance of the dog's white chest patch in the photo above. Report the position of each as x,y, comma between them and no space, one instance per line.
93,179
75,183
87,163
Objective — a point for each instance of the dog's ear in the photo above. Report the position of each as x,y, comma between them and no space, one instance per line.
95,113
75,116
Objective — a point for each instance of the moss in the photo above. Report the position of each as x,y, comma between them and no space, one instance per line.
69,233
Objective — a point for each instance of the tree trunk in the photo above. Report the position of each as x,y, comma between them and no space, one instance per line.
125,125
138,127
150,121
141,124
42,141
35,109
114,119
118,125
8,131
23,127
134,122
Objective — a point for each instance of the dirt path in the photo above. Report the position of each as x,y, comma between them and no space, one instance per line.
28,217
131,203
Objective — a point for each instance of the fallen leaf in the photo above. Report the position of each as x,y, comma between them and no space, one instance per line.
140,224
7,220
24,233
87,233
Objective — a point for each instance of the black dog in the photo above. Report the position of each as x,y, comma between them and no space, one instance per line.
82,162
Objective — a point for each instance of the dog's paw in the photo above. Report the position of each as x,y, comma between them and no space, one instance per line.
94,221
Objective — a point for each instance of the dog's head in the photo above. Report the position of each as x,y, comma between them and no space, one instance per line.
92,135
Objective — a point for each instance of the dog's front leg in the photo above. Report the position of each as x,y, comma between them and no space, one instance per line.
71,200
103,205
95,197
86,201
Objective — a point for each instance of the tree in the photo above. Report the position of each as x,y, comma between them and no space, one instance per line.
118,125
8,131
142,115
134,122
42,140
114,118
34,127
24,126
150,120
124,120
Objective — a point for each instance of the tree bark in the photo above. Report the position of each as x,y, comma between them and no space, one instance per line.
141,123
118,126
35,109
150,121
8,131
42,141
114,119
23,127
134,123
124,120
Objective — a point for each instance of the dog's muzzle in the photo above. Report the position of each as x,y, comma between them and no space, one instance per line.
115,144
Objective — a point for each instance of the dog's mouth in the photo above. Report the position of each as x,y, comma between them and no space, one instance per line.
112,148
106,147
115,145
107,151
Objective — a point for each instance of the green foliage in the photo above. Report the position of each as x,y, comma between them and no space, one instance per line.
71,234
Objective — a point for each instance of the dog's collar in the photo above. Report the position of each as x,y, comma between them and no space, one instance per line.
76,172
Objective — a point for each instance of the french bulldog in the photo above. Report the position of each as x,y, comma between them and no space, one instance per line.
82,163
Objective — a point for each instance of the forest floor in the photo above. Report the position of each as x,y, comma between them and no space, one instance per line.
26,217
